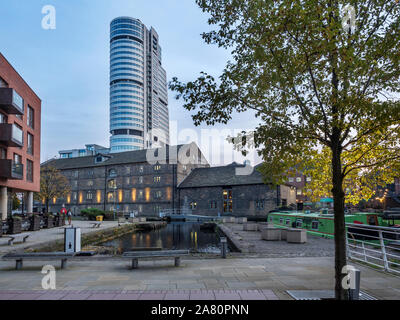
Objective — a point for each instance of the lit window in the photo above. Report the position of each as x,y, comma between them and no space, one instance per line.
291,180
157,179
157,168
89,195
193,205
90,183
308,179
298,179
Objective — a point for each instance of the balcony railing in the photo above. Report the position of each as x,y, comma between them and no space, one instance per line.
11,135
11,102
11,170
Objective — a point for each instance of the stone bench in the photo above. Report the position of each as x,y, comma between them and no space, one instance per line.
296,236
152,255
228,220
271,234
38,256
21,237
250,227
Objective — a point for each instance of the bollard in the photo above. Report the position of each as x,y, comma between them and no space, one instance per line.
224,247
354,293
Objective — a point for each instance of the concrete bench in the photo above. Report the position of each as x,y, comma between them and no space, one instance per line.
135,256
38,256
21,237
296,236
96,224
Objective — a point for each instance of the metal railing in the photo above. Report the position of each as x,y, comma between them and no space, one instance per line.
373,245
169,212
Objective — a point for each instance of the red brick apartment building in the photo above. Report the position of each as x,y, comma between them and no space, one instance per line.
20,110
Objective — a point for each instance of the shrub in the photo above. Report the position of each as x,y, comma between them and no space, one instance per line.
92,213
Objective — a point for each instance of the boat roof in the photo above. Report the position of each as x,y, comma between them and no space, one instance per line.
317,214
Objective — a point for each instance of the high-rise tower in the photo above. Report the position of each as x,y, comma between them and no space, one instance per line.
139,115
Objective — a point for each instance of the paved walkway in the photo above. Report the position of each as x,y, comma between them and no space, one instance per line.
114,275
45,235
140,295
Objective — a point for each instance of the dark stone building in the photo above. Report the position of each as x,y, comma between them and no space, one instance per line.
142,181
220,190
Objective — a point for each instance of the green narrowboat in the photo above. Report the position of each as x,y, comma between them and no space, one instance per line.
322,224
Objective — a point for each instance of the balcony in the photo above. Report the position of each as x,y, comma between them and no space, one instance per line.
11,102
11,170
11,135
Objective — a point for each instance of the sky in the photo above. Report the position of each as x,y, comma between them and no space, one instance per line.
68,68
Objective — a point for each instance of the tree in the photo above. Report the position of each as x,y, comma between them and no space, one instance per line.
53,184
315,78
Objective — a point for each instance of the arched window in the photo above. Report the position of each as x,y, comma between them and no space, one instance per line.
112,173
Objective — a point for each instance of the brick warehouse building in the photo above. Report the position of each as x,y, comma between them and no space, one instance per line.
126,181
20,111
219,190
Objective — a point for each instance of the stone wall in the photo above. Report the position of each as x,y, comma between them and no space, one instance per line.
247,200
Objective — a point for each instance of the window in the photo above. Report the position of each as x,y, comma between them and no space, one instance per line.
30,119
193,205
288,222
299,192
74,196
112,184
89,195
299,223
308,179
29,170
315,225
90,173
90,183
30,144
298,179
82,153
110,197
17,158
158,194
157,167
280,220
260,204
157,179
228,205
75,184
3,153
213,204
3,118
112,173
128,181
76,173
140,180
291,180
140,194
141,169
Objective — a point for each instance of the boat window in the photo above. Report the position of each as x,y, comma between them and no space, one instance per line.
271,219
280,220
288,222
299,223
315,225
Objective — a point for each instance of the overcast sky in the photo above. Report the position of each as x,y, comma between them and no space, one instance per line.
69,67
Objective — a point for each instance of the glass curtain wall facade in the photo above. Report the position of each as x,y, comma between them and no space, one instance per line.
138,87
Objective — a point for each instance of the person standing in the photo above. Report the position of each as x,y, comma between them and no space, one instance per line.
69,214
63,212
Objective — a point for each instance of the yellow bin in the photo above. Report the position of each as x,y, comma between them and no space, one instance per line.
99,218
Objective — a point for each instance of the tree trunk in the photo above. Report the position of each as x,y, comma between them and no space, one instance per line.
47,205
339,221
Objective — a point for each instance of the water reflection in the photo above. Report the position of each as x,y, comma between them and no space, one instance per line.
178,235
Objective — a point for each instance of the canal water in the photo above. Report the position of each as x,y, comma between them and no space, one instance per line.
175,236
